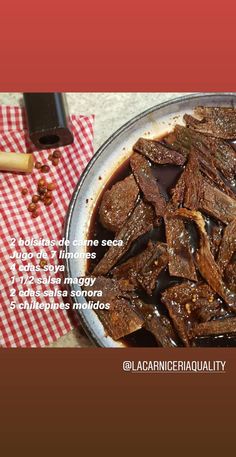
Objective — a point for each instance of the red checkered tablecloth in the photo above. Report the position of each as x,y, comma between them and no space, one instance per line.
40,327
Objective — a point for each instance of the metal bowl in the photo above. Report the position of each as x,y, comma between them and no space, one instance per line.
151,123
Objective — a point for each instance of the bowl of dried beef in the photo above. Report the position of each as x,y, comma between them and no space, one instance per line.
151,229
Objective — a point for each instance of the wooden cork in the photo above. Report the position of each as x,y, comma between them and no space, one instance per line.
16,162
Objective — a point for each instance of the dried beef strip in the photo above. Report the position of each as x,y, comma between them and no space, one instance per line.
230,276
215,237
228,245
181,261
187,192
217,203
157,152
204,258
132,266
160,326
224,156
222,153
190,303
211,174
193,182
180,322
178,139
144,268
191,121
117,203
184,140
216,121
121,318
162,330
139,222
147,183
215,327
147,276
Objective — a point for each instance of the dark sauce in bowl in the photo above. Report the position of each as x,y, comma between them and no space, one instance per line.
167,177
